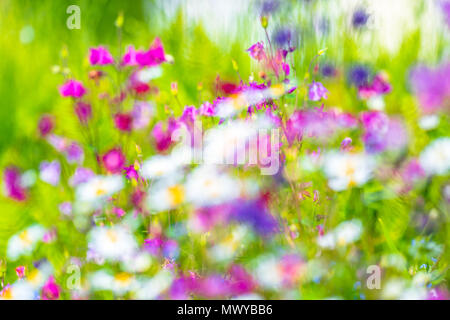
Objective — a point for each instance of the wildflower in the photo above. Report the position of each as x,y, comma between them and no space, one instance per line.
131,173
317,91
113,160
20,290
359,75
435,158
13,185
129,58
65,208
154,56
83,112
119,212
345,233
346,170
346,144
431,86
120,283
98,188
46,125
163,139
50,172
257,52
165,195
100,56
123,121
359,18
328,70
24,242
81,175
206,186
159,166
50,291
74,153
114,243
141,115
72,88
20,271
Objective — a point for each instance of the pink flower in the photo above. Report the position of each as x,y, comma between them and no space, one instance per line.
83,112
100,56
11,181
45,125
129,58
20,271
65,208
50,291
141,114
257,52
72,88
114,160
118,212
286,69
153,56
74,153
123,121
131,173
317,91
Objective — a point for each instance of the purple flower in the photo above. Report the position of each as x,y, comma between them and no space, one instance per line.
170,249
65,208
256,214
12,183
72,88
141,115
257,52
81,175
360,18
328,70
359,75
74,153
100,56
50,172
317,91
163,139
346,144
446,10
431,86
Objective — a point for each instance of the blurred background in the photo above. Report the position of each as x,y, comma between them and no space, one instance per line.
203,36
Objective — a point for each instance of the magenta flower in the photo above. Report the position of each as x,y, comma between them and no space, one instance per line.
72,88
45,125
119,212
378,86
123,122
100,56
163,139
12,183
257,52
50,290
131,173
114,160
20,271
50,172
83,112
129,58
152,57
431,86
317,91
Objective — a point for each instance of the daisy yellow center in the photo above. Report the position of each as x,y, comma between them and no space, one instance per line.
25,237
112,236
176,194
123,278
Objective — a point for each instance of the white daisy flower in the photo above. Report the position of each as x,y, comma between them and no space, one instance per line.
20,290
206,186
159,166
165,195
119,283
152,288
114,243
97,190
24,242
345,233
435,158
345,170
